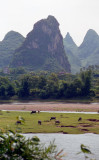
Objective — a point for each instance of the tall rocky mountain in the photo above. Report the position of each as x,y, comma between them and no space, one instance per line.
86,54
8,45
71,50
43,48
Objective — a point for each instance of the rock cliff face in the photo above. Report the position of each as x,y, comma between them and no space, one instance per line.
43,48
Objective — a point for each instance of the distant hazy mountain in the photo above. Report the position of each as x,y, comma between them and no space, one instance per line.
72,50
43,48
89,44
84,55
11,41
89,49
69,43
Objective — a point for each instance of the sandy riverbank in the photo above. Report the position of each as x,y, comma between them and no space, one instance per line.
51,106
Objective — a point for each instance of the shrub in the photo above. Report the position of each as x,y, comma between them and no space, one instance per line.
14,146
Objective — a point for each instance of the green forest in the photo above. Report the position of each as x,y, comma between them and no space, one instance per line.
19,84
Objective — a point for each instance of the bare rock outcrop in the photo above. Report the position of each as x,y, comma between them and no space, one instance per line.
43,48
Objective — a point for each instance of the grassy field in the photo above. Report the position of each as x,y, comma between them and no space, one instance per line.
69,123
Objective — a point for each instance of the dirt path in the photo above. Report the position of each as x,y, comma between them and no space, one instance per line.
51,106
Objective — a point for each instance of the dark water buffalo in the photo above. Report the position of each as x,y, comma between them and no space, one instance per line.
39,122
33,112
52,118
18,122
57,122
79,119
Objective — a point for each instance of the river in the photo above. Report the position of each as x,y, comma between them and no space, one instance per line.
70,143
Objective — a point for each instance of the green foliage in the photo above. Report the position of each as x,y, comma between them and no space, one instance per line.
41,82
43,94
10,90
24,89
2,91
6,88
14,146
4,81
47,86
86,82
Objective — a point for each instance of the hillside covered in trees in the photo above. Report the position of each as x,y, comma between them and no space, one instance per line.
8,45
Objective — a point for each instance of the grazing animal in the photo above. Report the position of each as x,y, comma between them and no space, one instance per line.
38,111
57,122
39,122
79,119
18,122
52,118
33,112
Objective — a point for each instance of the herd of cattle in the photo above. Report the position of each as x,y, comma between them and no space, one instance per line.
52,118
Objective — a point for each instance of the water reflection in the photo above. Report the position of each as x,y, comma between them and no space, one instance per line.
56,111
71,143
70,112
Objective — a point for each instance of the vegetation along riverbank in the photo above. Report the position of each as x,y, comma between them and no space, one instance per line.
47,86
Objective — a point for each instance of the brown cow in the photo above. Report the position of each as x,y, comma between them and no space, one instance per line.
52,118
40,122
79,119
18,122
33,112
57,122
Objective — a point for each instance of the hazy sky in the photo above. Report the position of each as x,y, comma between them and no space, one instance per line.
74,16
